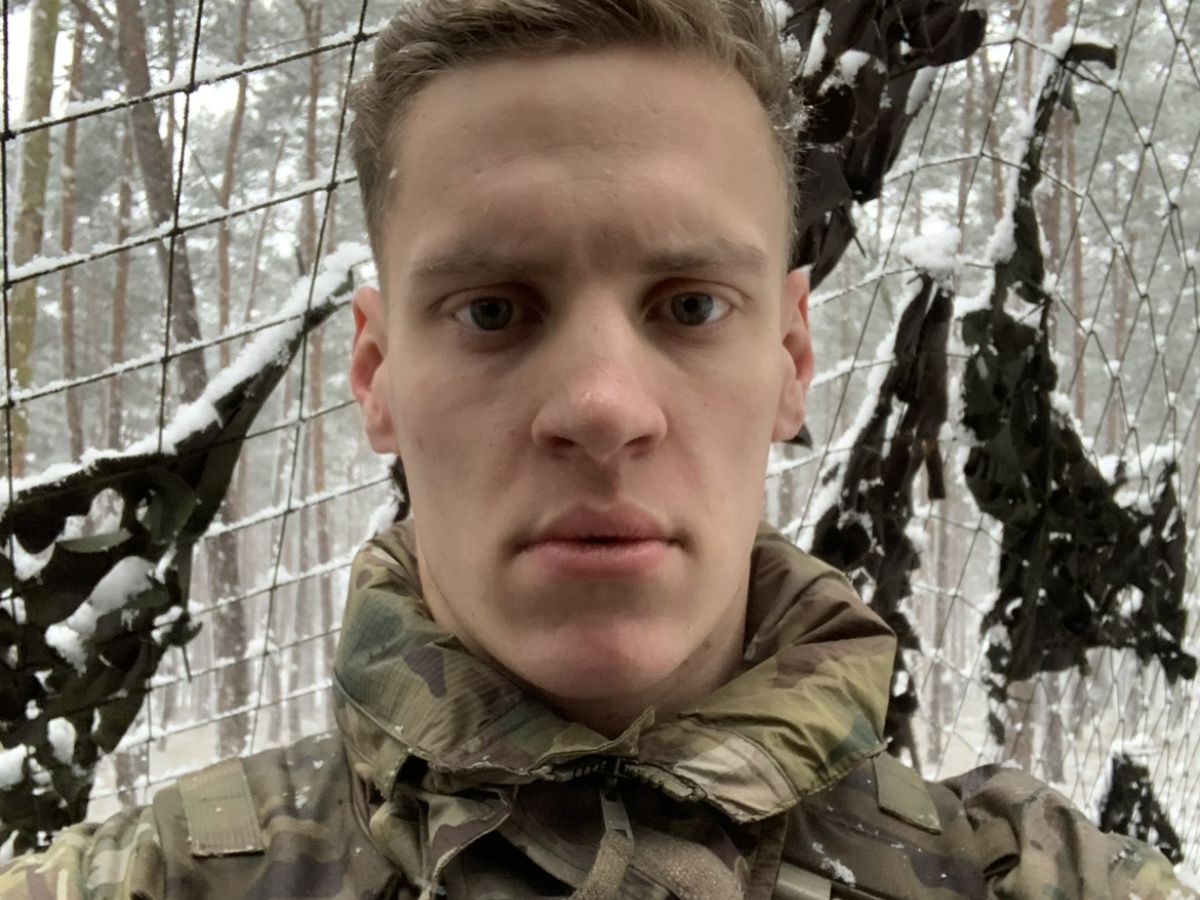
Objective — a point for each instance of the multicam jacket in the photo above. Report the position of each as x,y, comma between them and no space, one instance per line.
445,780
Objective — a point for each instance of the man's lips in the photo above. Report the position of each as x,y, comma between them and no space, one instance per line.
586,542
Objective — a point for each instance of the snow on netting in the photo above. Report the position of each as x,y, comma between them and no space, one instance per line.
176,189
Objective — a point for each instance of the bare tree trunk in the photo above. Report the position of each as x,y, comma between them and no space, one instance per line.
1022,706
155,163
30,224
1077,278
1053,749
312,12
990,101
121,287
234,683
235,680
67,300
130,765
261,234
224,236
940,700
172,54
968,139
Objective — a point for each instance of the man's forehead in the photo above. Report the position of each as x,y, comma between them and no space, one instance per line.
674,172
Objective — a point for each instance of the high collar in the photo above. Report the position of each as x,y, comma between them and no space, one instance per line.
807,705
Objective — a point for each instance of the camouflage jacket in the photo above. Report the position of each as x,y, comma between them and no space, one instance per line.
445,780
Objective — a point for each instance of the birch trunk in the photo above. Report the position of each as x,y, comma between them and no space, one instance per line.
154,160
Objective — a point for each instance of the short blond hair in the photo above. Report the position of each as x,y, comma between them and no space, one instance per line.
429,37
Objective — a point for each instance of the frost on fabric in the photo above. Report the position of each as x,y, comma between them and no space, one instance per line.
834,867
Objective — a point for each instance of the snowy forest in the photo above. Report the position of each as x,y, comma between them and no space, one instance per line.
1001,212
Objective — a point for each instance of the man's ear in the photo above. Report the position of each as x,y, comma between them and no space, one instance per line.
368,373
798,362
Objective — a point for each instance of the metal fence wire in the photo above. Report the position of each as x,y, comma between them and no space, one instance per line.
176,189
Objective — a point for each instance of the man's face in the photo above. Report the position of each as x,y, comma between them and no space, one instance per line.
585,344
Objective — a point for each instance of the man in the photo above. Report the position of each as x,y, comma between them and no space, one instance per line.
582,669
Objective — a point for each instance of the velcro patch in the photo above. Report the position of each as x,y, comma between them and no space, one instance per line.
903,795
221,817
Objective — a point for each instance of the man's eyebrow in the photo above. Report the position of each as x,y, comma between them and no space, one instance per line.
710,253
468,259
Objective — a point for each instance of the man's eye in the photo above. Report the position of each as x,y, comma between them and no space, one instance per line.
697,308
488,313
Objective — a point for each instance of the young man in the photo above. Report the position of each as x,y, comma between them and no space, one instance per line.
582,669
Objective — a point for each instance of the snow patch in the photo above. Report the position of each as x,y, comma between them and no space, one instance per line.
67,643
851,63
780,13
8,848
383,517
935,251
1189,877
126,579
918,93
15,607
269,345
816,47
61,735
12,766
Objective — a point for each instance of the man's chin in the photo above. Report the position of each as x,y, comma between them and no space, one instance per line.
586,672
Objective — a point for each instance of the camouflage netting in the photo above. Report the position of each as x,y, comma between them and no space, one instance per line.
1070,549
865,533
858,121
85,621
1130,807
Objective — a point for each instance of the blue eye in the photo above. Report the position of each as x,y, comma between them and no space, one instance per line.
697,308
489,313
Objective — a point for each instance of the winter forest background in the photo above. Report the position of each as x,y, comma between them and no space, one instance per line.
176,189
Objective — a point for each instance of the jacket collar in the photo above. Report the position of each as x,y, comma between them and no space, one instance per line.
807,706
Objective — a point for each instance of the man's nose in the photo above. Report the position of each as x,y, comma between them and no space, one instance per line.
599,396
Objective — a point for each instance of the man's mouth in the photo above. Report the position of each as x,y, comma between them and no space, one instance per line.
600,543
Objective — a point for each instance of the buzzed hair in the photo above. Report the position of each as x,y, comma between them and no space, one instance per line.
429,37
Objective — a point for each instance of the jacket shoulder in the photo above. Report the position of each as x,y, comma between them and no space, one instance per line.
1043,846
994,832
279,824
90,862
883,832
